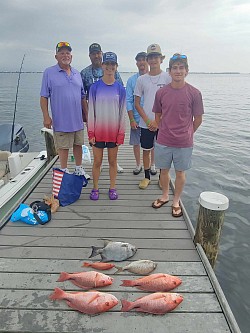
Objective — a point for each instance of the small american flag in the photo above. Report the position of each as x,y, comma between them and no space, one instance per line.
57,180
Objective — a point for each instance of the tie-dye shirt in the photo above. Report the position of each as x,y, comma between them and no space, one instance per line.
107,109
91,75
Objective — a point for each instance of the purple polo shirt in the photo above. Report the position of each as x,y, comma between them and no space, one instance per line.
65,94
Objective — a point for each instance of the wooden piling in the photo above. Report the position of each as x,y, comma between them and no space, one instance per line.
209,223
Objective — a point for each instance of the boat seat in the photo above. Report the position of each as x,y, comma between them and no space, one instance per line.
4,166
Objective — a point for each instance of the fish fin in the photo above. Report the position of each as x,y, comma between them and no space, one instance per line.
86,264
106,241
94,298
119,269
95,251
76,292
126,305
104,259
63,277
57,294
127,283
141,287
71,305
159,276
78,285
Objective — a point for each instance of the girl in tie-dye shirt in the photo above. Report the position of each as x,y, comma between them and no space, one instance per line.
106,122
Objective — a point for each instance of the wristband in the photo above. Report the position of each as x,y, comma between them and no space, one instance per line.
132,120
148,122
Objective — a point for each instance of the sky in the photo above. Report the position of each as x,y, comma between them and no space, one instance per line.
214,34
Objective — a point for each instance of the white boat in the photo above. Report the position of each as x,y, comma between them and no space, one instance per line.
19,174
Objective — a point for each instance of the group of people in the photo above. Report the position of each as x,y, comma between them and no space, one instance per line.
163,109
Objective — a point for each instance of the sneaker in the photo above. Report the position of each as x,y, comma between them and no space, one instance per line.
153,171
113,195
119,169
137,170
144,183
81,172
86,175
66,170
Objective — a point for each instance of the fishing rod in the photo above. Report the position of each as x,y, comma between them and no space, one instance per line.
14,115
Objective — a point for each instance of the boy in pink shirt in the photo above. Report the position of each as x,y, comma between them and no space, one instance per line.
178,111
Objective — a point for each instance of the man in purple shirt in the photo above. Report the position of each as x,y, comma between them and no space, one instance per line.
178,111
62,85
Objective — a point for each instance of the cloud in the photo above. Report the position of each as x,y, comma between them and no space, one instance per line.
203,30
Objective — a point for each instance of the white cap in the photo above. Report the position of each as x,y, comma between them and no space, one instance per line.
213,201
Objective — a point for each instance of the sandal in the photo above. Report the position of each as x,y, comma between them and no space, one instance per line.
158,203
113,195
94,195
175,209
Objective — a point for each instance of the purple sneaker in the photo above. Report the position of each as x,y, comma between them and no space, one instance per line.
113,195
94,195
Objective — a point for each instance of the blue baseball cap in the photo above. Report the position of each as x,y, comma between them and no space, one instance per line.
109,57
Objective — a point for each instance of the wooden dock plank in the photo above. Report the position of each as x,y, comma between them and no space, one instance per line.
77,229
83,253
102,224
87,243
71,265
70,321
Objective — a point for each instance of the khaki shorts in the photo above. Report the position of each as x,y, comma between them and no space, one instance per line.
67,140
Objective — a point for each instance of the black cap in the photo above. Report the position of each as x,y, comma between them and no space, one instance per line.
141,55
94,48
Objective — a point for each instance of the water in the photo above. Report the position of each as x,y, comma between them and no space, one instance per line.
220,163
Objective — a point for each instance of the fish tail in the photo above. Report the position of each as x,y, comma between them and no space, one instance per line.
57,294
95,251
119,269
86,264
63,277
127,283
126,305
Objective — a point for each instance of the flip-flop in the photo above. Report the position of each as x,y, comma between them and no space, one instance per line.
159,202
175,209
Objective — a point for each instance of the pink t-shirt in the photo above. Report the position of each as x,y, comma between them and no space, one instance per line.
178,107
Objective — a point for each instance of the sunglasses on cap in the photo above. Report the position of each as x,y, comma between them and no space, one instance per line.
63,44
178,56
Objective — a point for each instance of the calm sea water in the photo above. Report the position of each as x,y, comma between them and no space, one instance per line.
221,163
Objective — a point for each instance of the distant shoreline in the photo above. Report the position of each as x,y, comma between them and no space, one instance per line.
34,72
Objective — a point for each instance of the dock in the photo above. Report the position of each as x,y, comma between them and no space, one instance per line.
32,257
